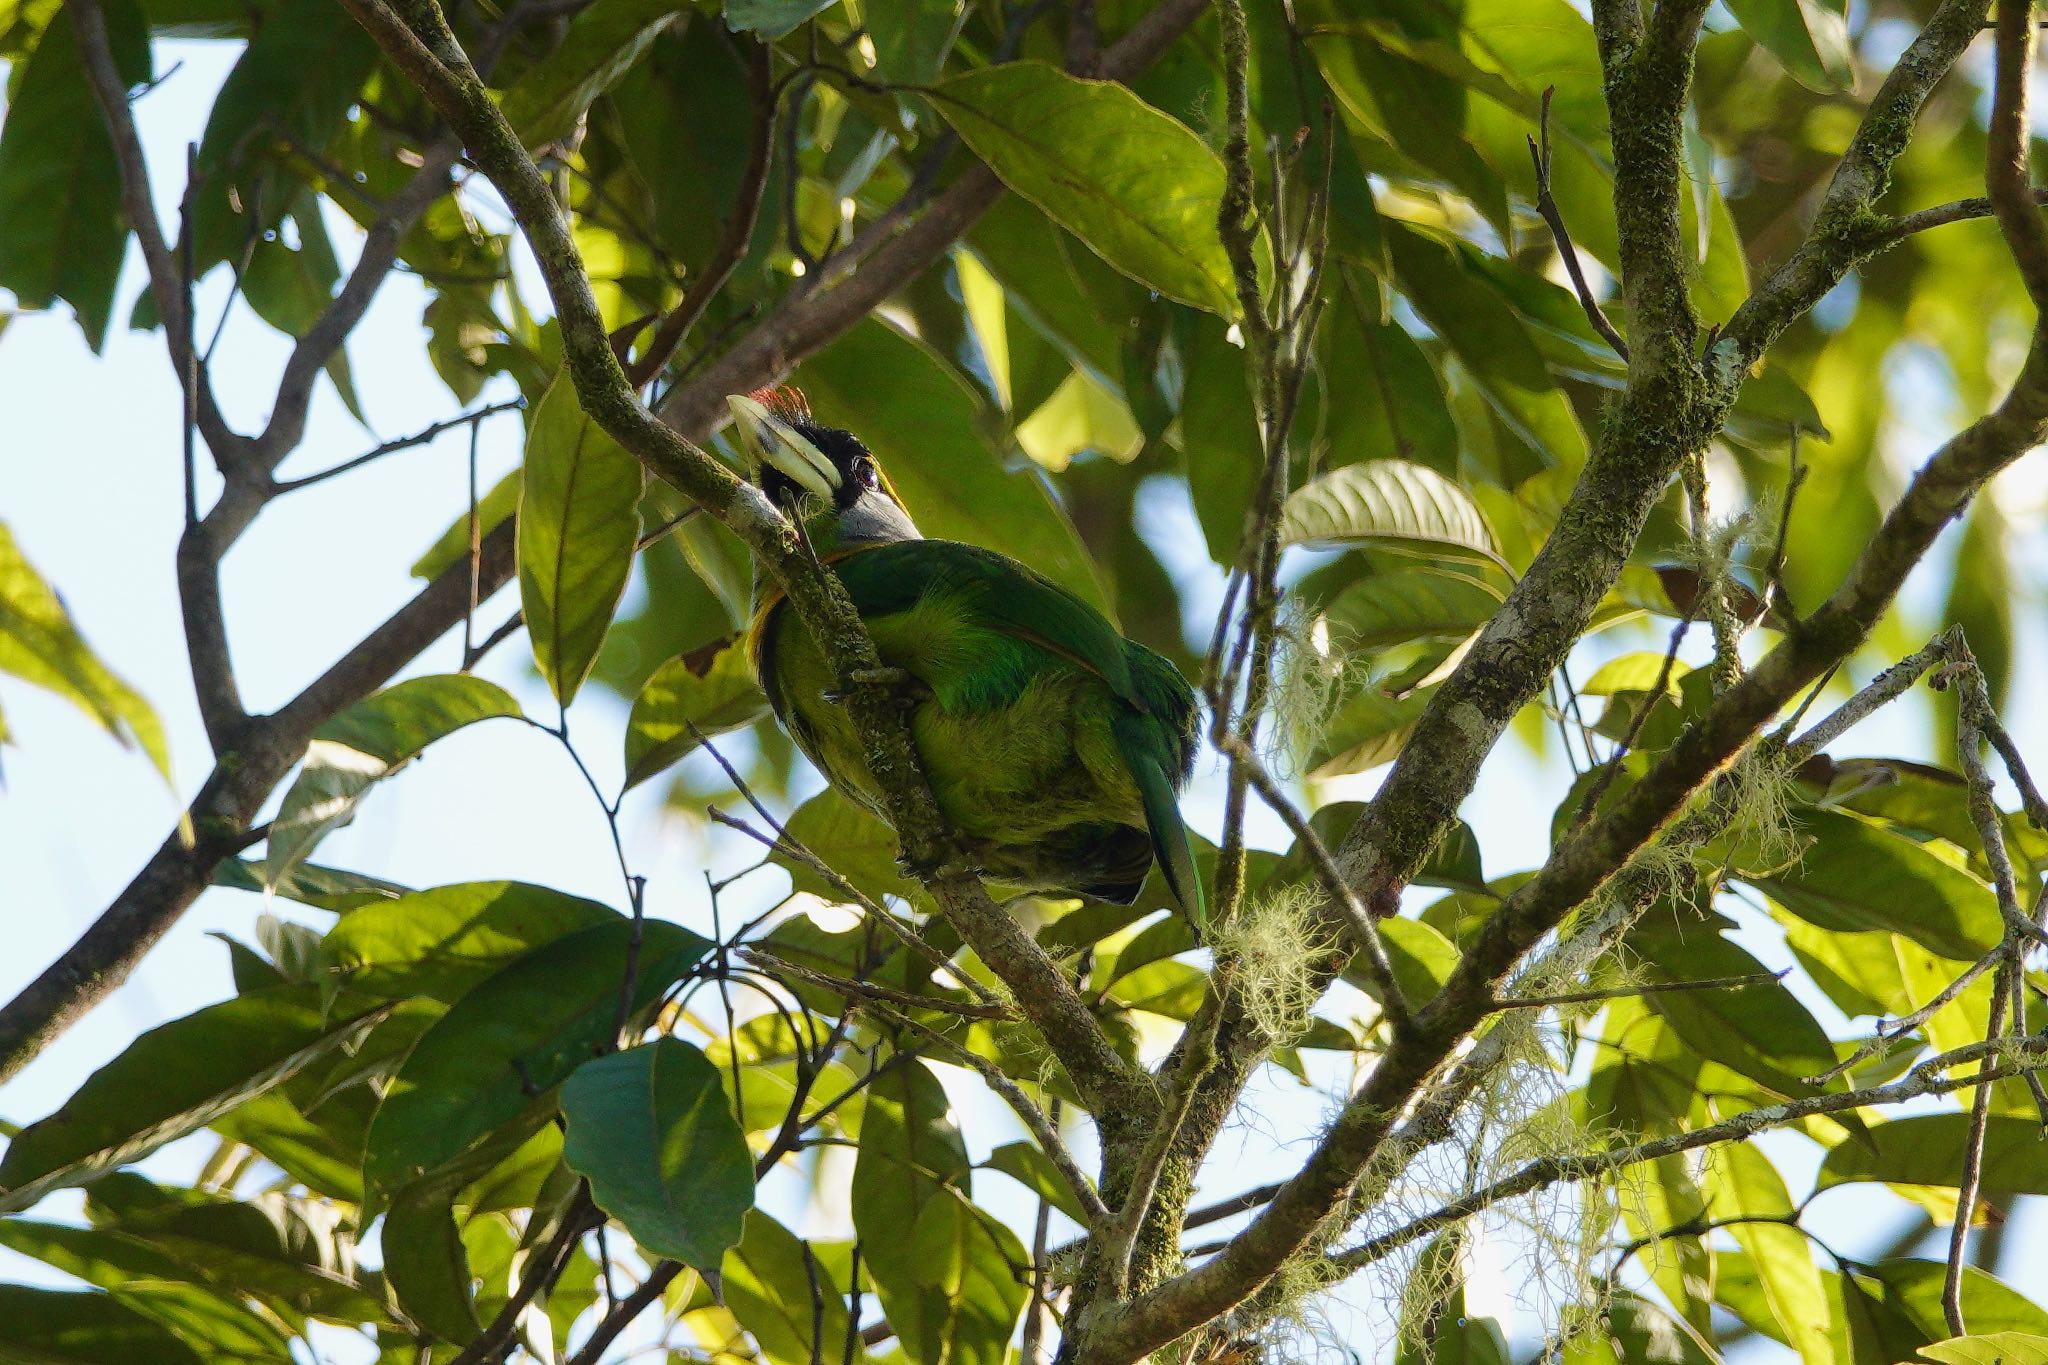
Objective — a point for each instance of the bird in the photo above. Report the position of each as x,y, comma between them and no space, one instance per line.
1056,748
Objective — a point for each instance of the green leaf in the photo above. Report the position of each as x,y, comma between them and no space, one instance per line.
443,942
783,1298
1914,1289
1858,875
1404,605
1034,1170
705,692
1995,1348
365,744
1760,1031
218,1324
1134,184
970,1269
516,1035
1744,1184
62,227
303,67
1367,729
40,645
854,843
82,1327
603,42
652,1131
492,509
426,1258
1927,1149
1461,302
267,1252
771,18
173,1080
1811,40
911,1155
1631,1330
579,520
1387,504
325,888
912,37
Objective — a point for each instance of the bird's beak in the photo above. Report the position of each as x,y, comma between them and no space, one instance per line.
769,440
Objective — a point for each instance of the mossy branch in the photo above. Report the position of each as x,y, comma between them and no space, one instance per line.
416,37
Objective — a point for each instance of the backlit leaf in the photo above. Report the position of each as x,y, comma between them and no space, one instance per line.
652,1131
703,693
364,745
579,521
515,1036
1140,188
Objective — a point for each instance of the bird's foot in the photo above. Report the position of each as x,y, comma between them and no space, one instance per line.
903,687
945,865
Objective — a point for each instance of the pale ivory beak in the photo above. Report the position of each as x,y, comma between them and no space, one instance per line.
768,440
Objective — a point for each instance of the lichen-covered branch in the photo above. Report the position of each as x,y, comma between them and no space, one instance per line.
1847,228
415,36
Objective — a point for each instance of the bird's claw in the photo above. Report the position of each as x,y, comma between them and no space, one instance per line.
904,687
949,864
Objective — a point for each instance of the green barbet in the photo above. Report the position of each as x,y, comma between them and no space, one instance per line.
1056,748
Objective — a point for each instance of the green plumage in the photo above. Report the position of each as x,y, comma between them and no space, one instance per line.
1056,747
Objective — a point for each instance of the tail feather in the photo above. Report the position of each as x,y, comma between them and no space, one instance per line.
1169,836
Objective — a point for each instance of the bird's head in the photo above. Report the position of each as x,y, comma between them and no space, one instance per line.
821,476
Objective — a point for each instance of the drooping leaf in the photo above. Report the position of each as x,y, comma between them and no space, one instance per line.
1400,607
294,82
39,644
705,692
911,38
911,1155
173,1080
492,509
1996,1348
1809,37
1855,874
514,1036
442,942
326,888
603,41
652,1131
1390,504
1927,1149
1744,1185
771,18
83,1327
783,1297
969,1269
365,744
62,227
579,520
1140,188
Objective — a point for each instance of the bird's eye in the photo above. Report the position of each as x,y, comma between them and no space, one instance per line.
864,470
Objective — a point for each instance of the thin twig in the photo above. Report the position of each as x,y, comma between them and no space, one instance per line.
1560,235
419,438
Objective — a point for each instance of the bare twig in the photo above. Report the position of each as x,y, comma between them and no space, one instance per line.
418,438
1560,235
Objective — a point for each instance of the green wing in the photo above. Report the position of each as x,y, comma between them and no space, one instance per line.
1156,730
998,593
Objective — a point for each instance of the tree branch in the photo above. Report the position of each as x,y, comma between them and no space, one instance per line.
423,47
1846,229
1927,1078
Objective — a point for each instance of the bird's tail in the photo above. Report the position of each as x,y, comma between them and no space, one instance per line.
1169,835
